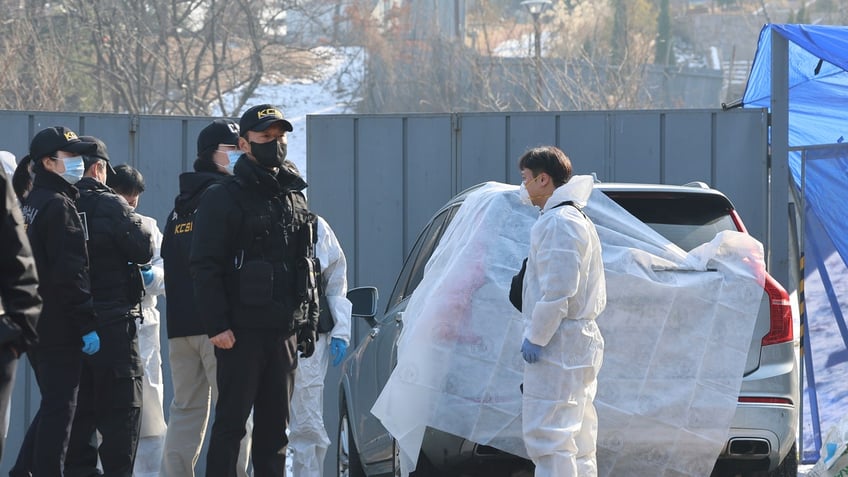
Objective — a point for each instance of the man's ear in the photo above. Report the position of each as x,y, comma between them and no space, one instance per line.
243,144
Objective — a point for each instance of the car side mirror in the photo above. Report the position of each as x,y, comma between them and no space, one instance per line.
364,301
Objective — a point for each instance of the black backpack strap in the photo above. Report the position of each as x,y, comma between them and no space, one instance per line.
571,203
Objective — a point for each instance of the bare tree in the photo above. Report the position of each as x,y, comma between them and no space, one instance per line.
157,56
33,58
587,64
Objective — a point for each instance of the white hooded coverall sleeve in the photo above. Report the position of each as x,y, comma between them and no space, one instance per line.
557,273
334,276
308,438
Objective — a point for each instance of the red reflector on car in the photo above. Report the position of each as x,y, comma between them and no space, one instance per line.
765,400
738,221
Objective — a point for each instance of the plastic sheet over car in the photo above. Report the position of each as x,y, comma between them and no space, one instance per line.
677,327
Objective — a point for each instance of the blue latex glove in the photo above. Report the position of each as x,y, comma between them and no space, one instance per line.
338,348
147,275
530,351
91,343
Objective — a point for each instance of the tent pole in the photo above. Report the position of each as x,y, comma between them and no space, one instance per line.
777,237
805,349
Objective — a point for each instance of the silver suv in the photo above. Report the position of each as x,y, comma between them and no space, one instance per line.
762,437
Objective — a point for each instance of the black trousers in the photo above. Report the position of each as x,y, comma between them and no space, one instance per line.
8,366
258,373
57,372
110,400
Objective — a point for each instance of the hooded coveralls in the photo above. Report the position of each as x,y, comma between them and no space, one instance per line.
148,458
307,435
564,290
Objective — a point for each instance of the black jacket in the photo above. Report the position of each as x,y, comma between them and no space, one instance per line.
182,316
117,243
19,280
254,218
61,258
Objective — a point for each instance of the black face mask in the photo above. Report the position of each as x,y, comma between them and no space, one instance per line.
269,154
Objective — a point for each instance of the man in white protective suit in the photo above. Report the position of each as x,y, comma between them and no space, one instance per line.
308,439
129,184
564,290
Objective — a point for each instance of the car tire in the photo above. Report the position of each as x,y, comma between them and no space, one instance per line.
347,456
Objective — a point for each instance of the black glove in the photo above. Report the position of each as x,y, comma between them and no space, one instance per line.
306,339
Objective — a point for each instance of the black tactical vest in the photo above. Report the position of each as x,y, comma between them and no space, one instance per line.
274,265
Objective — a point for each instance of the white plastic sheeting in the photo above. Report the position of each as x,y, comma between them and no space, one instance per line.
677,328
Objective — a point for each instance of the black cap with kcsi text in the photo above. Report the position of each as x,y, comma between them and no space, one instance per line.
259,118
220,131
57,138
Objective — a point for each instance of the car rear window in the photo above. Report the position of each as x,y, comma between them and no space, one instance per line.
687,220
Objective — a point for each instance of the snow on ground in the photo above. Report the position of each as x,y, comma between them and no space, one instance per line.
522,47
332,91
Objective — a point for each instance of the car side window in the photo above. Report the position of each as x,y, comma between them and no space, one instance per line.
403,278
440,224
413,269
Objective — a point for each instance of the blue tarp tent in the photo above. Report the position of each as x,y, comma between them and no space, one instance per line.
818,165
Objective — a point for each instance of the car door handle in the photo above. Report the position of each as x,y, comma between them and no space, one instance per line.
374,332
399,317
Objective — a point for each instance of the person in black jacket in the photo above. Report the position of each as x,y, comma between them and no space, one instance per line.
252,260
110,395
67,320
20,304
191,354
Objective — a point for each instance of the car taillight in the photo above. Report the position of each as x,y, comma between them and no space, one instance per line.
780,310
780,314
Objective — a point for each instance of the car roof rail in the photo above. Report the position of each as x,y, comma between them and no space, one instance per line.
595,178
698,184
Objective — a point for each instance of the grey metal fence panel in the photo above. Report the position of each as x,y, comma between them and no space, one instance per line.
585,138
741,172
330,144
380,199
428,160
525,131
482,148
16,133
158,154
687,154
636,147
112,129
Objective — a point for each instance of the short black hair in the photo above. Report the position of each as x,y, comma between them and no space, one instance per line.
127,180
550,160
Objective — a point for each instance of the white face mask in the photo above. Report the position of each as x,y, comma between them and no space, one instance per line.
523,195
